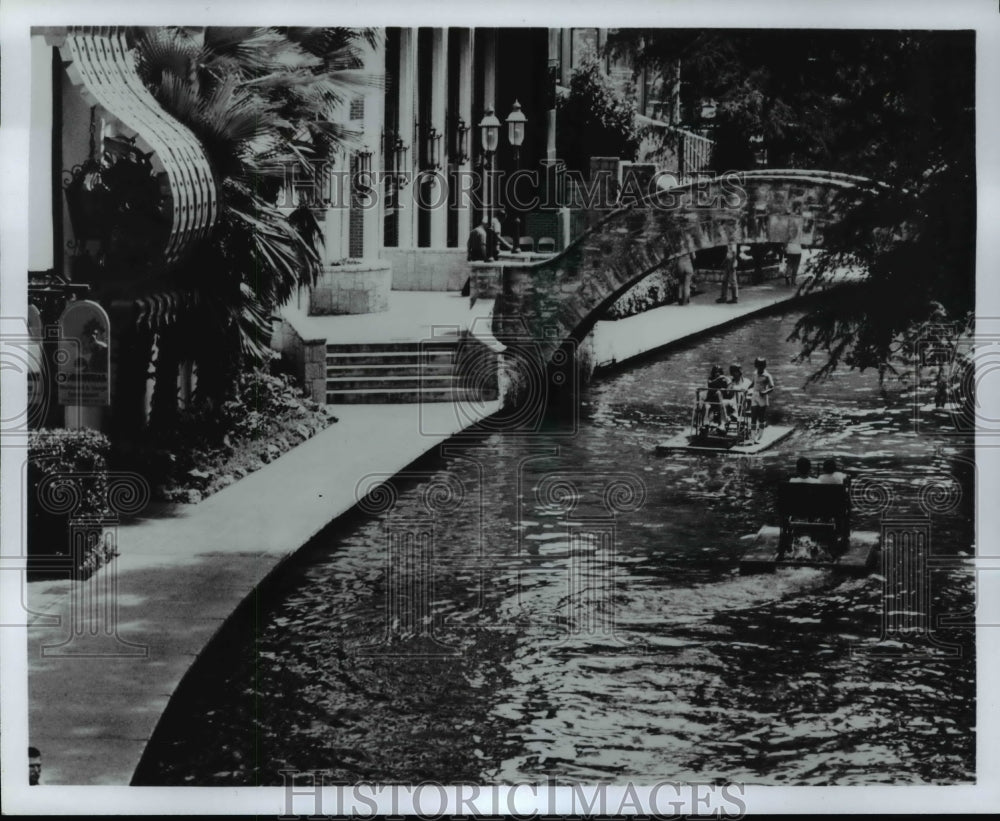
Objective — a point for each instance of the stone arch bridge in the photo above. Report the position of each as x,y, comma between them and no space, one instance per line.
541,308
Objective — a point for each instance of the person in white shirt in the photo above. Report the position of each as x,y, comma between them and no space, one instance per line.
735,399
830,474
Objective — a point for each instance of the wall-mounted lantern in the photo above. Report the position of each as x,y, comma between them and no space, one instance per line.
363,173
400,155
461,142
432,149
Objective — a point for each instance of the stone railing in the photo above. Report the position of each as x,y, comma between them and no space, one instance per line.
360,287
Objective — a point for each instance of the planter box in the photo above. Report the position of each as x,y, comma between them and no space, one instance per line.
353,288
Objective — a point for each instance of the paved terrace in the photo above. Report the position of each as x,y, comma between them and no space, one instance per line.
182,571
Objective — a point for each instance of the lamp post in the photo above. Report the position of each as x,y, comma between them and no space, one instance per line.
515,129
515,133
489,133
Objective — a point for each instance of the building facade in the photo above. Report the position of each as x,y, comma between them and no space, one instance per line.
395,207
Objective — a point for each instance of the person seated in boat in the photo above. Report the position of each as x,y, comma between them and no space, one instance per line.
830,474
803,472
735,397
717,382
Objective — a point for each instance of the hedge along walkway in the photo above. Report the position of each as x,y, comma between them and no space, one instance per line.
178,577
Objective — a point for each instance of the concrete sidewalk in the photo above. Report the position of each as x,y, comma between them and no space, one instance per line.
413,316
138,624
620,340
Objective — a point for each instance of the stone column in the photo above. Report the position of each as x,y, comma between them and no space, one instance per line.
439,95
372,223
407,226
465,69
552,79
490,69
41,255
489,100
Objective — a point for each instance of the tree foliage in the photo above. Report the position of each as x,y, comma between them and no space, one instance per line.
264,103
896,107
593,120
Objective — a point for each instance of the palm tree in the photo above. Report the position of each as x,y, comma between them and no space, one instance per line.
261,101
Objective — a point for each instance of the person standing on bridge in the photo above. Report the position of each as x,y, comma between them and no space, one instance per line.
730,282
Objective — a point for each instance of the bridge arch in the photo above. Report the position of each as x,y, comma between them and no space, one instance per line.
541,307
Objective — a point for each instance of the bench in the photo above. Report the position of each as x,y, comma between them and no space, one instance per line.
814,500
807,508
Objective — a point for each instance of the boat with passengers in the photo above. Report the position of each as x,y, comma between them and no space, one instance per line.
814,530
721,419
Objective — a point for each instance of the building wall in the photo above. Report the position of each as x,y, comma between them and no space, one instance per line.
427,269
40,192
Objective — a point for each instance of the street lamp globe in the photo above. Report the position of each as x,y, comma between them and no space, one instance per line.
515,125
489,131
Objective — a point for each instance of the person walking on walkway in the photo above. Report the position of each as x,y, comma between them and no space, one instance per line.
730,283
793,256
685,273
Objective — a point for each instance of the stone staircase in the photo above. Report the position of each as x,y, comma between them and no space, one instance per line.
396,372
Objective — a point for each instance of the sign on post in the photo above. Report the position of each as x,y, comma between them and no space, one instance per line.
83,357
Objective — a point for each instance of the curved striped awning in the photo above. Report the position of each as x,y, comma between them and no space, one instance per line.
104,67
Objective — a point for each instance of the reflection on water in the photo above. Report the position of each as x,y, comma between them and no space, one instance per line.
581,616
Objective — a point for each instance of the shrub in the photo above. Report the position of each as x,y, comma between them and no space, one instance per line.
213,445
659,288
62,452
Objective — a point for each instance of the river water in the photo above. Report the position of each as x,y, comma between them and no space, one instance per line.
577,613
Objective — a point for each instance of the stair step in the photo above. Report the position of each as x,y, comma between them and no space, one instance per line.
381,397
392,358
392,382
393,347
412,369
